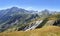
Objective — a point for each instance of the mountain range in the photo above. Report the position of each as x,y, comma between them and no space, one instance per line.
18,19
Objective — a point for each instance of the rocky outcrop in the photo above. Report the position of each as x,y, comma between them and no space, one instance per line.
49,23
52,23
33,26
57,23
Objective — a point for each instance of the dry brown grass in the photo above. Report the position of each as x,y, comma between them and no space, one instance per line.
45,31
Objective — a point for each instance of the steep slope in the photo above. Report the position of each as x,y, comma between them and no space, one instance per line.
15,18
50,23
32,27
53,20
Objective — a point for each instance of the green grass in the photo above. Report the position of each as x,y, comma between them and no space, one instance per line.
54,17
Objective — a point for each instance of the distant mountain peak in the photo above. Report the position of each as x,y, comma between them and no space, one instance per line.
45,10
14,7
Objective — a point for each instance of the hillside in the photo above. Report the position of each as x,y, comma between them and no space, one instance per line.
15,18
53,20
45,31
20,22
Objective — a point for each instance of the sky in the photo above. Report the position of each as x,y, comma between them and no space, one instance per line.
31,4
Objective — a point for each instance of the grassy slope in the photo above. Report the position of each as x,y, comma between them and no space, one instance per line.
45,31
51,19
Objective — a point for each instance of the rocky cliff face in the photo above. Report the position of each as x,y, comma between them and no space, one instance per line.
33,26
